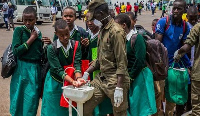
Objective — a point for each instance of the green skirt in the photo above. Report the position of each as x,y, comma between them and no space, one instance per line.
25,89
141,95
51,99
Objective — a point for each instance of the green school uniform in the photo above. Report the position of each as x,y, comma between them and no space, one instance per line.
53,82
26,83
141,93
105,107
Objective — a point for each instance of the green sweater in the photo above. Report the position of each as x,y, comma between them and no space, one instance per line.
20,47
60,59
136,56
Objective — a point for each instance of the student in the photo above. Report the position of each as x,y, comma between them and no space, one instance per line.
173,38
113,80
76,33
128,7
153,27
62,56
10,16
117,9
136,9
138,71
123,8
133,19
25,86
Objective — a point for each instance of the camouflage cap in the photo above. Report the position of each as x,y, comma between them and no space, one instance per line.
93,5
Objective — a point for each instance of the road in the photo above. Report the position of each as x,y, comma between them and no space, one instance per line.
47,30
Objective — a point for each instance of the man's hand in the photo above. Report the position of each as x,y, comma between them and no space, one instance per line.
118,96
177,56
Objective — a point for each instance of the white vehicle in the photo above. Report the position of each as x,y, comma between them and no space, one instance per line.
42,7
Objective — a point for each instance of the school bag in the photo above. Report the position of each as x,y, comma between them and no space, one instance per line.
156,57
9,62
176,85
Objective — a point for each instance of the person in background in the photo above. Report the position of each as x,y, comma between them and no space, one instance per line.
140,7
117,8
153,8
123,8
54,11
10,16
26,81
79,10
136,9
173,38
163,10
128,7
191,41
5,13
153,27
85,13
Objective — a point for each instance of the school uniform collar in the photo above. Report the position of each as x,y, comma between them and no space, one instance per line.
29,29
74,29
92,36
129,35
66,49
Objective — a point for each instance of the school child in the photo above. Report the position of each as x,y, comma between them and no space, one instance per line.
26,83
59,56
105,107
153,26
141,92
76,33
133,19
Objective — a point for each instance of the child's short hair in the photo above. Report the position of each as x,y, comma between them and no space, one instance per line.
123,18
192,10
60,24
69,7
155,20
131,15
30,10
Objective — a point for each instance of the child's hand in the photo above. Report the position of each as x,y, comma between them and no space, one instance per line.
75,83
46,40
85,42
34,35
81,81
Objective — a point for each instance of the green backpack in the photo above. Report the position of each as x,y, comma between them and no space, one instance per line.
176,85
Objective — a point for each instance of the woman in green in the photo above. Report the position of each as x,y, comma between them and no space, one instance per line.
105,107
25,86
141,93
60,54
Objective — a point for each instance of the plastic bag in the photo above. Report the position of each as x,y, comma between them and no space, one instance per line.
176,85
9,62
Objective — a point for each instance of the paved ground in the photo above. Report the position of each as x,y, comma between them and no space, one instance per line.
47,30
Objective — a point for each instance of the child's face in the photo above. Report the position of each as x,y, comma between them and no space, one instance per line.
63,35
29,20
192,18
69,16
153,25
90,24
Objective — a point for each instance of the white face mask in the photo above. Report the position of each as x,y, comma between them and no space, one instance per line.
97,23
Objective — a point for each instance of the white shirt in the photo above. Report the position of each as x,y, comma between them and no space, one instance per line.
75,28
66,49
54,9
92,35
129,35
5,6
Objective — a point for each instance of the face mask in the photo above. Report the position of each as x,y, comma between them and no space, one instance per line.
97,23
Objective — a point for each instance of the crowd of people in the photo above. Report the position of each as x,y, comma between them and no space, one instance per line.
123,82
